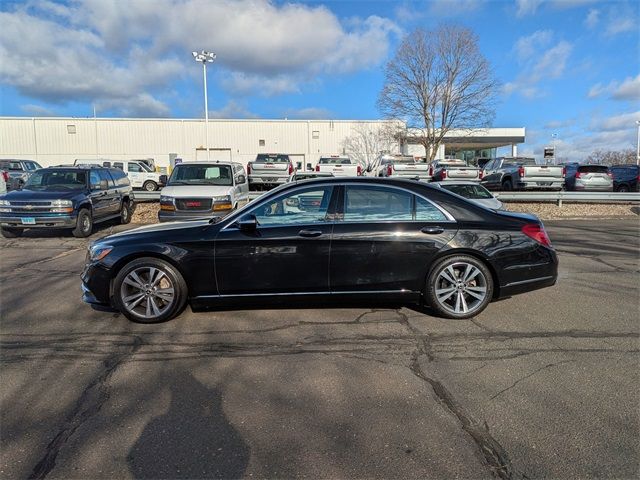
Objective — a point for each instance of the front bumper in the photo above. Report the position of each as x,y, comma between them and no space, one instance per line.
96,285
178,215
40,221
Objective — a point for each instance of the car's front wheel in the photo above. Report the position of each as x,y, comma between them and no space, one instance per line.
125,213
84,225
149,290
459,287
11,232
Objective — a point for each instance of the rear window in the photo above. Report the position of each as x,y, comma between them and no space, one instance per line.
268,158
12,166
469,191
593,169
409,160
335,161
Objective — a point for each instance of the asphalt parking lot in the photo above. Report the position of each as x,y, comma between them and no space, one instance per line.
544,384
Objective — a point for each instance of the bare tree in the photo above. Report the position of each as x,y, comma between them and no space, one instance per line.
369,140
612,157
438,81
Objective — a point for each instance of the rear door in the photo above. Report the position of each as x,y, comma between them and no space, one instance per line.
112,198
384,240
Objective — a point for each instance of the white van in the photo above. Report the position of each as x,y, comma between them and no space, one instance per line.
139,173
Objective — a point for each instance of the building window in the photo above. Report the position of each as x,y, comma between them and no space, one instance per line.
261,143
315,134
71,129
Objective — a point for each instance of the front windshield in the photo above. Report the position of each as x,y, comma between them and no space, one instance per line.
146,167
207,174
469,191
57,181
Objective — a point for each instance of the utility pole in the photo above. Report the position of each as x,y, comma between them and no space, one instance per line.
205,57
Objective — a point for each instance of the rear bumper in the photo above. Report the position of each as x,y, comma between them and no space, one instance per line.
593,188
267,179
526,278
540,185
41,221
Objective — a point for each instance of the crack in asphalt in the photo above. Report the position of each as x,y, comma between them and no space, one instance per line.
493,454
25,265
88,405
550,365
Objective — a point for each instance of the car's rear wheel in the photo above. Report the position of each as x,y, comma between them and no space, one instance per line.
84,225
149,290
11,232
623,188
150,186
507,185
459,287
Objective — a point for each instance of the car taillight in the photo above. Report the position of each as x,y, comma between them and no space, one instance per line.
318,168
578,175
359,170
480,175
248,169
5,175
521,171
431,170
389,170
290,168
444,174
610,174
537,233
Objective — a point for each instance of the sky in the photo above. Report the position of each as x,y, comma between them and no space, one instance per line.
569,68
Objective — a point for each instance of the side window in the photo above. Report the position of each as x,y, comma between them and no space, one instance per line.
371,204
119,165
428,212
134,167
294,208
121,179
490,165
104,175
30,166
94,180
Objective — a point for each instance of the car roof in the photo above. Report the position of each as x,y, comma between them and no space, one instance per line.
205,162
456,182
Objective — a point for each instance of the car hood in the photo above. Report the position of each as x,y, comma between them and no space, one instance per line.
38,195
208,191
161,228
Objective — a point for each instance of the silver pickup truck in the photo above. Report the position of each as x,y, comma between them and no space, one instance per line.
454,170
402,166
269,170
522,173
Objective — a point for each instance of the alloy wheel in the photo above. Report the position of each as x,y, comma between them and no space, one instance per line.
147,292
461,288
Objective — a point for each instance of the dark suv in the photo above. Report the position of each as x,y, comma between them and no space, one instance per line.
67,197
626,178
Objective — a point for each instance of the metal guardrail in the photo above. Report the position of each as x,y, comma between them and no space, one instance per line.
541,197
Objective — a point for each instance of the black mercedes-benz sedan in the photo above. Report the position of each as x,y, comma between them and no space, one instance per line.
326,239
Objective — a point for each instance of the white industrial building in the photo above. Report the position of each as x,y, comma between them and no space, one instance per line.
59,140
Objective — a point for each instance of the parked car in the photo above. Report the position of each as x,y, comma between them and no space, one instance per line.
402,166
74,197
522,173
199,189
300,175
269,170
388,239
4,180
18,171
140,174
339,166
626,178
453,170
473,192
592,178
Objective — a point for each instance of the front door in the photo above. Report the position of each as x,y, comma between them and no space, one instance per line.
287,253
384,240
136,174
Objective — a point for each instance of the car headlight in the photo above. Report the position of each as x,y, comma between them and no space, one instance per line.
62,203
222,202
98,252
5,206
4,203
167,203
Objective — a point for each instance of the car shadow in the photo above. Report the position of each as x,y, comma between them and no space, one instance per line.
193,439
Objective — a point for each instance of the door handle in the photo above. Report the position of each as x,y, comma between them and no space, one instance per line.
309,233
432,230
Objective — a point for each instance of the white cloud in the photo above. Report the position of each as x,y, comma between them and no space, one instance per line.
525,47
593,17
625,121
526,7
627,90
621,19
309,113
232,109
553,62
37,110
138,105
123,53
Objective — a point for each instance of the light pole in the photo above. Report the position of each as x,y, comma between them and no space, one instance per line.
638,144
553,144
205,57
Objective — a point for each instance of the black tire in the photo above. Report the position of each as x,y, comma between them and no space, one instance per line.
623,188
451,307
150,186
12,232
138,313
125,212
507,186
84,225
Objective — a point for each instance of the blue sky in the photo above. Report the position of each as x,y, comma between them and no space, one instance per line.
570,67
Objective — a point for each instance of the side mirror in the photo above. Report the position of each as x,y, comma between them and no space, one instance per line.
163,179
248,223
241,179
103,185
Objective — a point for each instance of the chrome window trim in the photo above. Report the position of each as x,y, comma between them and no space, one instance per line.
450,218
